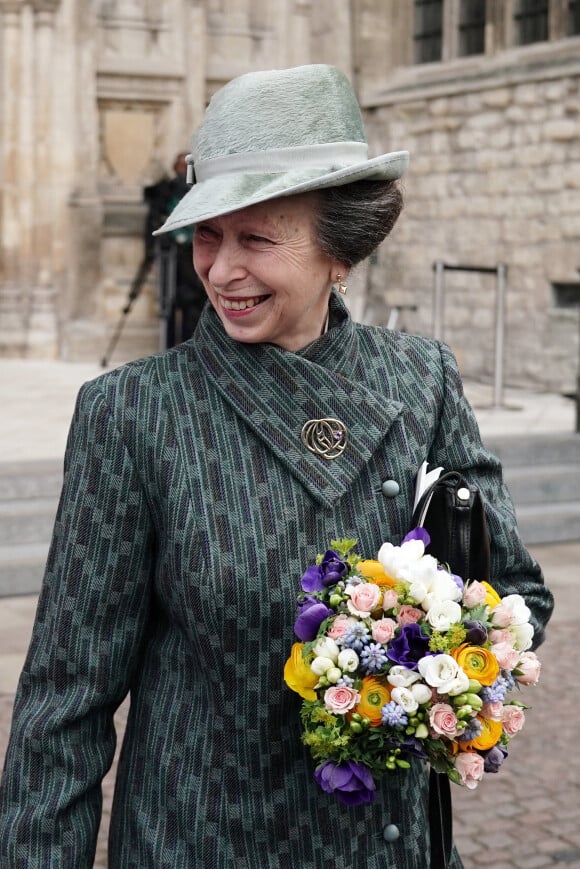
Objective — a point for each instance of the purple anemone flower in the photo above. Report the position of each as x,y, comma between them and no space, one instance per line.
494,758
409,647
311,614
418,534
352,782
476,633
330,571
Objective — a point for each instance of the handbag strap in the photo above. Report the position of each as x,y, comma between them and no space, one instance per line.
440,820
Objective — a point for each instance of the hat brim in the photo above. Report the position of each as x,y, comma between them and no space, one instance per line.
227,193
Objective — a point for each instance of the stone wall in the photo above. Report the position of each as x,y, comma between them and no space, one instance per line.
98,96
494,178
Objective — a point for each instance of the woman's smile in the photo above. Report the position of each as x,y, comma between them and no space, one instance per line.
240,306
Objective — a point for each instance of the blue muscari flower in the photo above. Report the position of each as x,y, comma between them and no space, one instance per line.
356,637
373,657
510,682
394,715
496,693
472,730
345,681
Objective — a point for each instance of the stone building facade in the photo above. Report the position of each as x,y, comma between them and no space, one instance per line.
97,97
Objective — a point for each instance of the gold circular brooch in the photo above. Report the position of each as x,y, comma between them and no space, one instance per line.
325,437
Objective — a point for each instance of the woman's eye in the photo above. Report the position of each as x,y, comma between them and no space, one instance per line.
205,232
259,238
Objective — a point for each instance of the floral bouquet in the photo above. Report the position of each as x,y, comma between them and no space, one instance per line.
399,658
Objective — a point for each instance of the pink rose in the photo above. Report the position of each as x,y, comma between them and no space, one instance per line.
474,594
469,765
443,720
409,614
530,667
501,636
339,626
390,599
339,699
492,711
507,656
503,615
513,719
364,598
383,630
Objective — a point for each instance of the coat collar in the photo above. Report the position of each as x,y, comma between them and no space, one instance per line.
275,391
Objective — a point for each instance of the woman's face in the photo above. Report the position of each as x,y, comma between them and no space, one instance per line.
264,273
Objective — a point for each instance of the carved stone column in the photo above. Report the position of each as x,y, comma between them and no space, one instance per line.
42,338
12,298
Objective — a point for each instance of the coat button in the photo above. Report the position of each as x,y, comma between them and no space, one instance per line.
391,833
390,488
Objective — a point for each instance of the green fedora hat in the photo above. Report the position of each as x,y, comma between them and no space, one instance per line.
277,133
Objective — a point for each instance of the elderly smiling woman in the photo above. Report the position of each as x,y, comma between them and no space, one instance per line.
191,505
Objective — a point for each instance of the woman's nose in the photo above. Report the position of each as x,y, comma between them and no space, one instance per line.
227,264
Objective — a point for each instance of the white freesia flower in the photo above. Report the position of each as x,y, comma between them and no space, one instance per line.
521,612
348,660
523,636
406,562
401,677
421,692
443,613
405,698
443,673
327,648
320,665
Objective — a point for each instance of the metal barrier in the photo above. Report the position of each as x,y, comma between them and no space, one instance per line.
439,269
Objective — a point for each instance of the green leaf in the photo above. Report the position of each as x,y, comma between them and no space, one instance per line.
343,546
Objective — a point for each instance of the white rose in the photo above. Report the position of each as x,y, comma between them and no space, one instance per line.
405,698
348,660
521,612
443,673
421,692
401,677
443,613
320,665
327,648
523,635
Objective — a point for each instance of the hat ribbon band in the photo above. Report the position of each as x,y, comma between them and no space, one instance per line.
330,156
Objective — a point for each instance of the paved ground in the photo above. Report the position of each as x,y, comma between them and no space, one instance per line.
528,815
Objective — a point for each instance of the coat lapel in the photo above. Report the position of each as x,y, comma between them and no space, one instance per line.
275,392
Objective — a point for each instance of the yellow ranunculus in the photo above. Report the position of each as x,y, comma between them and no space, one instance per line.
373,696
298,675
492,598
477,663
375,572
488,737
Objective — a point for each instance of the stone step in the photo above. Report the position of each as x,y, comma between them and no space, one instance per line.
549,523
558,448
19,480
27,521
22,568
541,484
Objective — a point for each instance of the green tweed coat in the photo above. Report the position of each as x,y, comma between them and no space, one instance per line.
189,511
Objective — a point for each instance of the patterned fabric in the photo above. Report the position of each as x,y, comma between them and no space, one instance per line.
189,511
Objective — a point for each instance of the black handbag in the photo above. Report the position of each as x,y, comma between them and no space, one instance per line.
451,511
